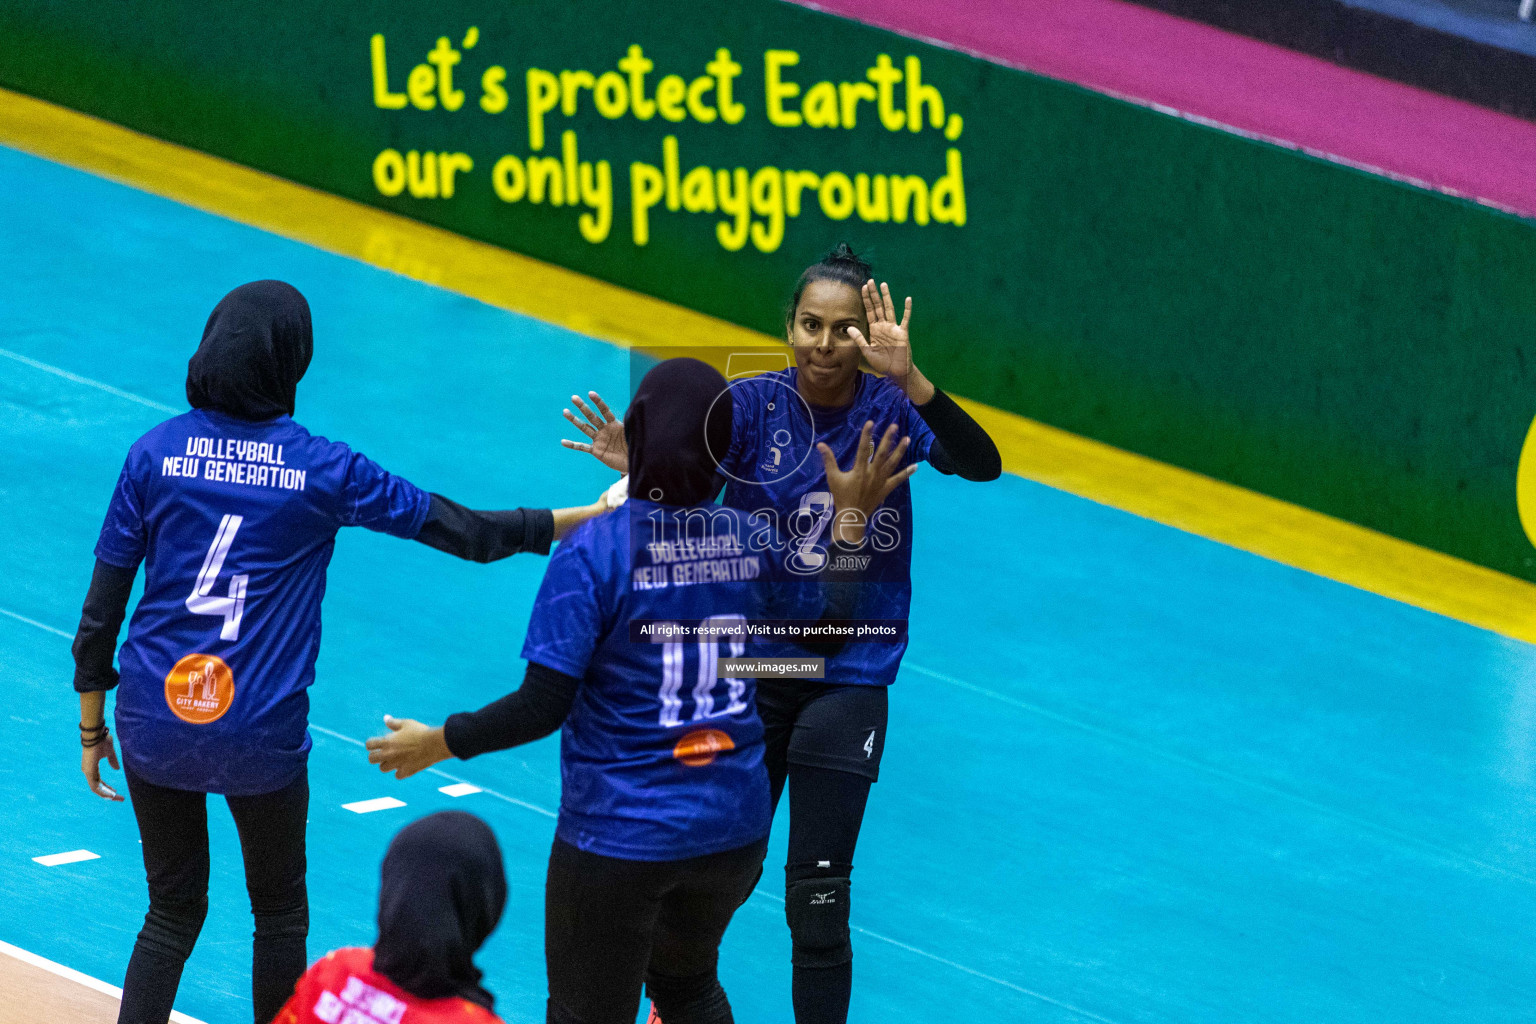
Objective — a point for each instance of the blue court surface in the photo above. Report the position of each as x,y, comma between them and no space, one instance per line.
1133,775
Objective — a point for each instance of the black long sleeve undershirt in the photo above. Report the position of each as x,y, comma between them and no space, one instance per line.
106,604
471,534
482,536
960,446
531,712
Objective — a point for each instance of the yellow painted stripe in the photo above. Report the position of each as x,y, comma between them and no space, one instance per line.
1167,494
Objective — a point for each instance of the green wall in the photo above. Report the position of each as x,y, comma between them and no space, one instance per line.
1316,333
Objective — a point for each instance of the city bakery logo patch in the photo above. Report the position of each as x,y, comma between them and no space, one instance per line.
701,747
200,689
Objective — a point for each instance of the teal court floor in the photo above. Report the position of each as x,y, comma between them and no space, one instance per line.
1132,775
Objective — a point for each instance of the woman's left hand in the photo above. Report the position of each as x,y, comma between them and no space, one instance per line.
410,747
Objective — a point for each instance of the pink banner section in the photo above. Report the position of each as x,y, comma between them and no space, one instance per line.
1236,83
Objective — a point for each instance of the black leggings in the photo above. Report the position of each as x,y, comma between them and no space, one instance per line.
611,924
173,824
825,742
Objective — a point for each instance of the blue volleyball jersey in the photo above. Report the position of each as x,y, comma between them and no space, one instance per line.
660,760
235,523
773,467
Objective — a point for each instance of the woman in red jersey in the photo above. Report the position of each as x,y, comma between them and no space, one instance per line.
442,893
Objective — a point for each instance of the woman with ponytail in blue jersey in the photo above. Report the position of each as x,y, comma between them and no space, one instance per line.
233,508
665,801
826,736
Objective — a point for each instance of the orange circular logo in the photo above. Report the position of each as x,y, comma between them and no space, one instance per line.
699,748
200,689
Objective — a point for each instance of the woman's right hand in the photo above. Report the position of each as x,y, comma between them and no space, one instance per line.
409,747
605,433
90,765
859,490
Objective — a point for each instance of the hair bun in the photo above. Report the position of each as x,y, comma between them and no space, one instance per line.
843,254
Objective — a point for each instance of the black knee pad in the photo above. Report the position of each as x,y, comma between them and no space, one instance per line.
817,911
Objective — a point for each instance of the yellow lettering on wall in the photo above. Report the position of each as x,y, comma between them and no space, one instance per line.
543,93
820,105
420,85
920,95
597,195
768,202
645,189
777,90
493,97
670,159
873,198
635,63
421,174
570,161
546,177
836,196
571,84
725,70
794,182
1525,485
382,97
447,165
389,173
702,112
885,76
443,56
509,179
671,91
909,191
949,192
849,94
699,190
731,194
610,95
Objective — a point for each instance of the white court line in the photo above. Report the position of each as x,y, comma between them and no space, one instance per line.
525,805
88,382
381,803
459,789
33,622
70,974
53,860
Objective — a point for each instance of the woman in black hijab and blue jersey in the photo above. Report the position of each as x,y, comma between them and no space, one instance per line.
665,803
233,508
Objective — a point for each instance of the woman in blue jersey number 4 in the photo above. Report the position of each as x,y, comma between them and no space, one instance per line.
665,803
826,737
234,508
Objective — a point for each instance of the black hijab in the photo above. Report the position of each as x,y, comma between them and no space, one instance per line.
678,427
255,349
442,893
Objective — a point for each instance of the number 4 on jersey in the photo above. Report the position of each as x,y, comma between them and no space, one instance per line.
201,601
